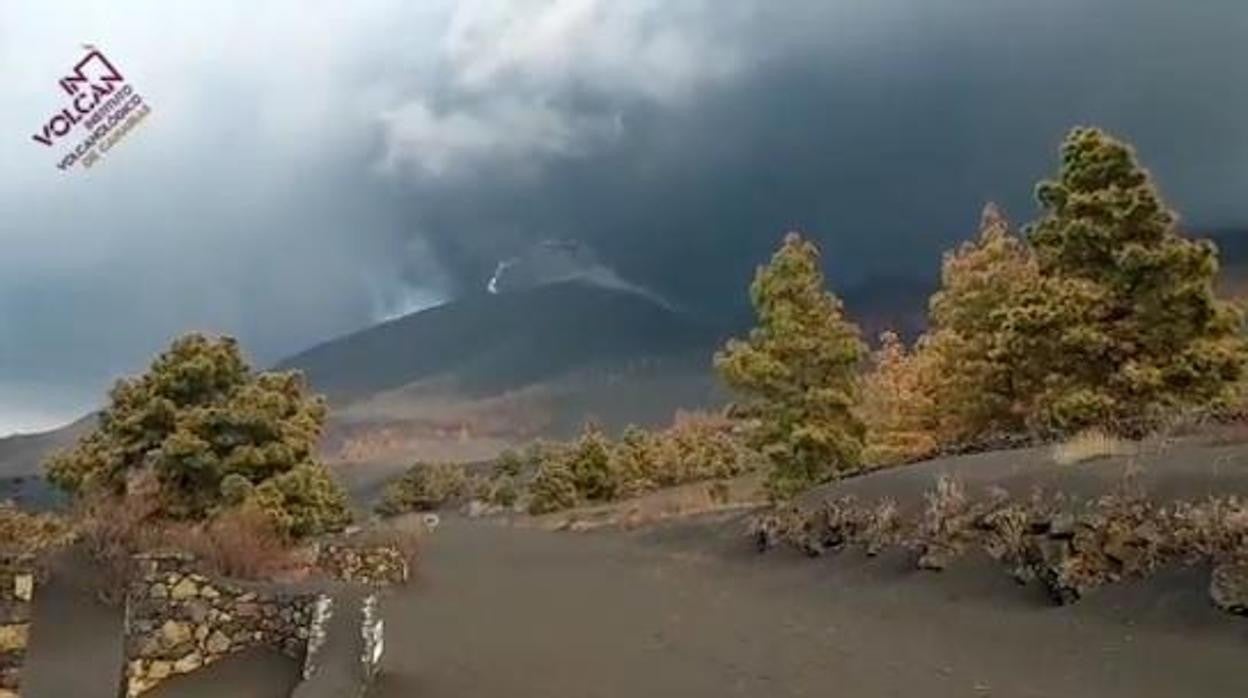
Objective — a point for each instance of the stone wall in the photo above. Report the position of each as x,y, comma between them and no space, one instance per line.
178,620
17,586
355,563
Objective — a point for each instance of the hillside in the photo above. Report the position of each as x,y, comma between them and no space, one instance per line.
489,343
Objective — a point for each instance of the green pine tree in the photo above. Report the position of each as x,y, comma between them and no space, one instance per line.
797,372
976,386
1127,325
209,430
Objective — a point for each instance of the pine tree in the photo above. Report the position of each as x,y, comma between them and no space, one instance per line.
798,372
977,378
204,426
898,405
1127,325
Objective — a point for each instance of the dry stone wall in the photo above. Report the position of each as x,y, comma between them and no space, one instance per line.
178,620
17,587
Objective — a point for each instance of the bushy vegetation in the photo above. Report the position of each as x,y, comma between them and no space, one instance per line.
552,476
29,532
202,433
424,487
797,373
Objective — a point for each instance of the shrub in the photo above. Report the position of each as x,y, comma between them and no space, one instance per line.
236,489
509,464
833,525
503,492
304,501
883,527
554,488
589,461
797,373
240,542
22,531
947,525
1215,530
423,487
637,462
111,529
699,447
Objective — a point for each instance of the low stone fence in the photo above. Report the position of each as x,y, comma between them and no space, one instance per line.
17,587
178,620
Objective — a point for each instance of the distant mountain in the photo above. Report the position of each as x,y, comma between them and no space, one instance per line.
489,343
465,379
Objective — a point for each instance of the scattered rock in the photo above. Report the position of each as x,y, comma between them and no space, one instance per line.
1228,588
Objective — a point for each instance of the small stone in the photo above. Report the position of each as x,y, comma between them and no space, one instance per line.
158,591
209,593
218,643
184,589
197,610
174,633
13,637
24,586
189,663
159,670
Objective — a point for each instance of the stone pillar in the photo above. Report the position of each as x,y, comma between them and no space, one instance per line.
17,588
372,631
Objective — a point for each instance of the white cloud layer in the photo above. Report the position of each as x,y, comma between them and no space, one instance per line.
509,73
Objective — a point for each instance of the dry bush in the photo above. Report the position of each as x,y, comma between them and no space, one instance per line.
111,530
947,525
884,527
1215,530
773,527
1091,444
831,526
1010,529
26,532
240,543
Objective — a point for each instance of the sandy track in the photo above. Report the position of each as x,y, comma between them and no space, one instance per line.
680,612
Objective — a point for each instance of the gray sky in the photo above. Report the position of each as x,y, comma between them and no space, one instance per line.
310,167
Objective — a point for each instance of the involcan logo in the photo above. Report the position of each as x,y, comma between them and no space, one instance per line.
100,108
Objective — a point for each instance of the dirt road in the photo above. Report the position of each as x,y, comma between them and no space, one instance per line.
685,611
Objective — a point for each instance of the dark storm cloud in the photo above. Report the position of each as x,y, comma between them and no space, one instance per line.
881,131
